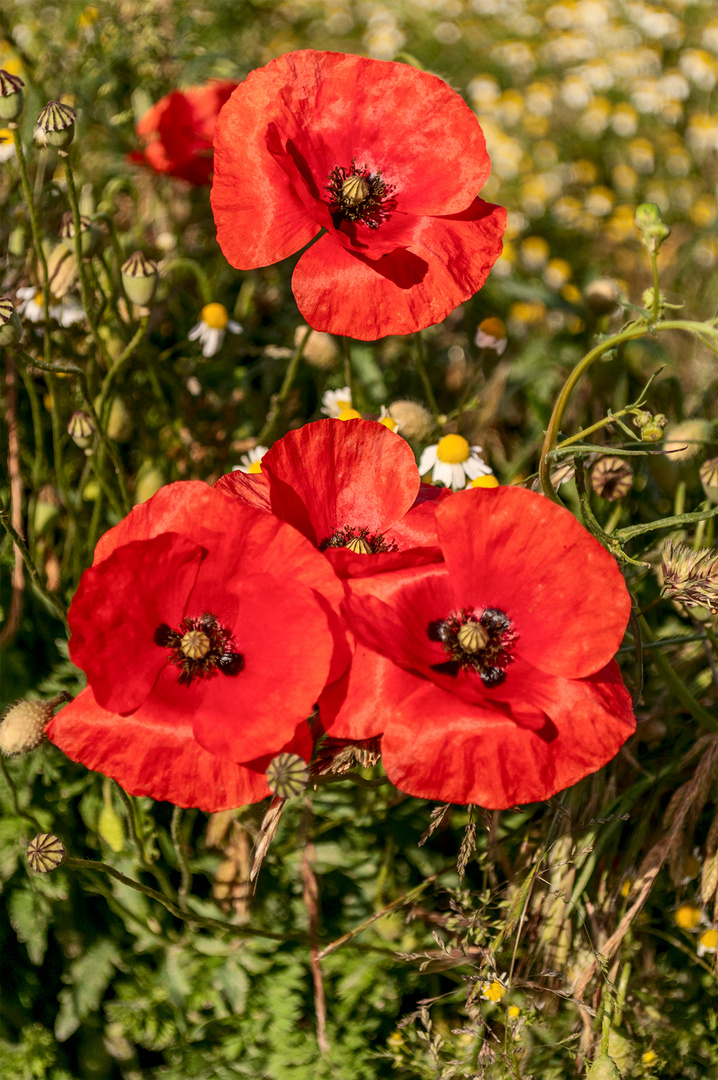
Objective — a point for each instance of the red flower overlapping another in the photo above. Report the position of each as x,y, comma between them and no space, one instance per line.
388,160
176,133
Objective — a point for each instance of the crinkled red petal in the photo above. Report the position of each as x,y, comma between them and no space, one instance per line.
249,488
147,754
359,704
515,550
436,746
406,290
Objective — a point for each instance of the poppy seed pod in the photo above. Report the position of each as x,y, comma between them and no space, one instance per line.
287,775
89,235
140,278
611,478
80,428
10,325
56,125
709,478
11,96
46,853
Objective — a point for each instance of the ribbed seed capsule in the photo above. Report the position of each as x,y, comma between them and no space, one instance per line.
10,325
355,190
11,97
46,853
56,125
139,277
288,775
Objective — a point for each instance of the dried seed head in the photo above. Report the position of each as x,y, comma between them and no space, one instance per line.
415,421
11,96
140,278
10,325
287,775
80,428
685,440
602,296
56,125
689,576
23,726
611,478
709,478
46,853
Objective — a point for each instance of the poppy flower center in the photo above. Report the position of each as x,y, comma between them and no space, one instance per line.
200,648
478,641
360,541
359,195
453,450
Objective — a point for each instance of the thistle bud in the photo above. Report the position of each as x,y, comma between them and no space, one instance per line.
23,727
709,478
287,775
80,428
415,421
88,234
654,231
46,853
140,278
56,125
11,96
602,296
611,478
10,325
690,577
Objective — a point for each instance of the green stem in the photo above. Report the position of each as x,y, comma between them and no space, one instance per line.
656,291
636,331
13,796
348,370
38,460
183,263
665,523
36,238
266,435
186,882
676,684
423,375
117,365
52,602
144,858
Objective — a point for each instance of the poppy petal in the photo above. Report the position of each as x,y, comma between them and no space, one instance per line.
250,488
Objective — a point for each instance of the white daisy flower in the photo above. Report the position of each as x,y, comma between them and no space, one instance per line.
251,462
708,942
495,989
491,334
335,402
31,306
7,146
68,312
452,461
388,420
214,322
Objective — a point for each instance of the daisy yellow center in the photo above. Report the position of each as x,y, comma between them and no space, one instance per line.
349,414
709,939
342,405
489,481
649,1057
514,1012
388,423
5,135
255,467
453,450
494,991
687,916
493,327
215,316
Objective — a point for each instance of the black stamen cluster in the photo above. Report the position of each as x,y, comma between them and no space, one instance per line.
342,537
490,662
220,656
372,210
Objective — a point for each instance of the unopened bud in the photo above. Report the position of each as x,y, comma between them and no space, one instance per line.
709,478
651,426
603,1068
320,350
46,853
602,296
47,509
80,428
415,421
140,277
23,727
654,231
89,235
647,300
685,440
56,125
10,325
119,423
611,478
11,96
110,828
288,775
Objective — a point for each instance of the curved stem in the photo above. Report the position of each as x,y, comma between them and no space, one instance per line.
47,596
36,238
275,409
423,375
675,683
117,365
183,263
82,272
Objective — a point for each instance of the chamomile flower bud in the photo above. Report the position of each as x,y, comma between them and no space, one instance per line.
654,231
81,429
11,96
45,853
709,478
23,727
139,278
602,296
415,421
10,325
651,427
288,775
56,125
611,478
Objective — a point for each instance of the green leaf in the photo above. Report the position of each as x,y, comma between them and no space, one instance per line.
90,976
29,914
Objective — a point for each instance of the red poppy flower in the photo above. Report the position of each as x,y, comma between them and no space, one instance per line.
350,487
491,675
387,159
177,132
201,638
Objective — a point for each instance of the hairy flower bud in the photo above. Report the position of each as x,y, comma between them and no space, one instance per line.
685,440
415,421
10,325
602,296
320,350
140,278
11,96
288,775
689,576
709,478
89,235
56,125
611,478
80,428
23,727
46,853
653,229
